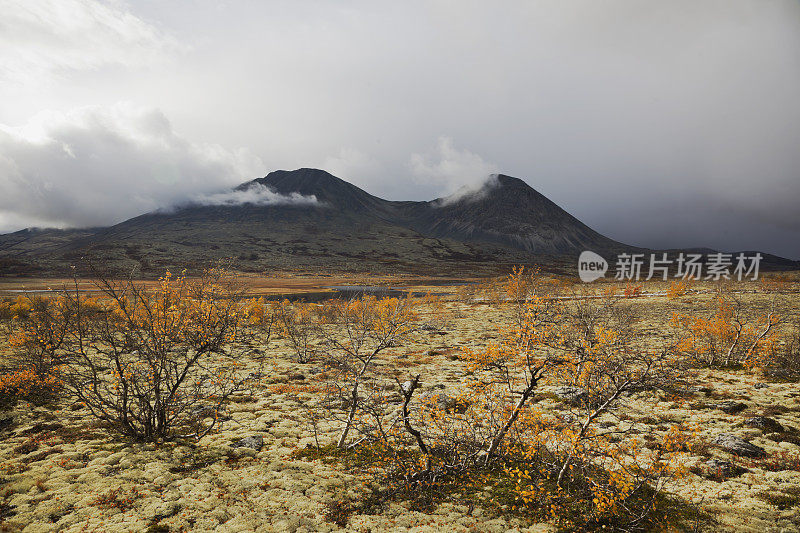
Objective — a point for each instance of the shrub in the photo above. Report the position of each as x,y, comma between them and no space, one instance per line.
354,332
632,291
678,289
34,339
490,432
26,384
154,364
298,324
731,335
5,310
263,316
783,359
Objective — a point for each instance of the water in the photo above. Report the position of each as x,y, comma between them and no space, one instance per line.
344,292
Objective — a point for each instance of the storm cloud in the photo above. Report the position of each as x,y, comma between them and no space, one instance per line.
657,123
96,166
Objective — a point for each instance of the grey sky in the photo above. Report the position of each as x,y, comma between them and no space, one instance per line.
657,123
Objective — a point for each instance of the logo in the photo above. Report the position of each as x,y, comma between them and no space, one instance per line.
714,267
591,266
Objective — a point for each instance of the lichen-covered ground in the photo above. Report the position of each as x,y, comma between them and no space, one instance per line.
59,470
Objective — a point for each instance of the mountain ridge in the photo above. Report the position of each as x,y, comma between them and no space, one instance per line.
504,222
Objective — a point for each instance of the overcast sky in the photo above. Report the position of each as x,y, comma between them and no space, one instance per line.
657,123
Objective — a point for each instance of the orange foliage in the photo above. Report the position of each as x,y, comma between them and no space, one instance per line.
632,291
24,383
727,336
678,288
137,358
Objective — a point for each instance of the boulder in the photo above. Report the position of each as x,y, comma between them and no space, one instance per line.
571,395
406,385
723,469
731,407
765,423
202,410
738,446
254,442
443,402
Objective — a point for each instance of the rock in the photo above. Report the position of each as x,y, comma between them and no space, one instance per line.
444,402
724,469
760,385
254,442
732,407
406,386
202,411
571,395
738,446
765,423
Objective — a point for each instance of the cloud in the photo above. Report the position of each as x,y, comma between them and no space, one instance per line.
624,112
255,194
42,38
97,166
458,172
469,193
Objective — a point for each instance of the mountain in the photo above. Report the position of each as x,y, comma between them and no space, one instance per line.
508,212
327,189
315,221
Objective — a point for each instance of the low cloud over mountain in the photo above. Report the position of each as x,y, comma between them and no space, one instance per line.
255,194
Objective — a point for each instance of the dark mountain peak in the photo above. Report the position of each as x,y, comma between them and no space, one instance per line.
510,182
507,185
303,179
499,190
327,188
507,211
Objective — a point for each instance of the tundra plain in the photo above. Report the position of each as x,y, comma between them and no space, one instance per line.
63,470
